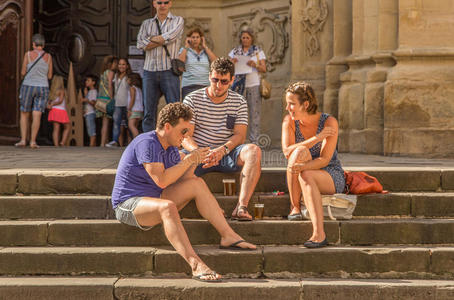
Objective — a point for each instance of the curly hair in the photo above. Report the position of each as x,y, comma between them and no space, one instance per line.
305,92
223,65
172,112
195,29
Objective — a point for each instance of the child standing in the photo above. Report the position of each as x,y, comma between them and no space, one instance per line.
58,115
106,91
135,103
89,101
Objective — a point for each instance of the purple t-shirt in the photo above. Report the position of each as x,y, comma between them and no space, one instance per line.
132,180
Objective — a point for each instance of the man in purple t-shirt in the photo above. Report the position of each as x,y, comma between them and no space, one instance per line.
152,183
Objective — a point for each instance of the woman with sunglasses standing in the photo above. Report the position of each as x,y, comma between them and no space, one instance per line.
197,57
247,81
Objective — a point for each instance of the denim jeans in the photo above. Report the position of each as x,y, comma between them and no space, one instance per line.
154,85
120,113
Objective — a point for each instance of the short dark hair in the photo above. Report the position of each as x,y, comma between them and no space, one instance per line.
93,77
305,92
172,112
135,79
223,65
195,29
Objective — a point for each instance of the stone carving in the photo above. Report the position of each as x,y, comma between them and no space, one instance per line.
313,17
275,44
204,25
9,16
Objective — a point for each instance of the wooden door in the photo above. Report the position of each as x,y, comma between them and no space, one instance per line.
84,31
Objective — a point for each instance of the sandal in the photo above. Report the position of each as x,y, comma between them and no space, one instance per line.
245,215
202,277
34,145
20,144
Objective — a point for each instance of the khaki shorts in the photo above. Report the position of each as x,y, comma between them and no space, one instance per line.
124,213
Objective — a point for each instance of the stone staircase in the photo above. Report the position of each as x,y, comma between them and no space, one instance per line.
59,240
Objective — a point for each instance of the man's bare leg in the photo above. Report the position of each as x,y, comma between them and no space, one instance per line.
250,158
194,187
152,211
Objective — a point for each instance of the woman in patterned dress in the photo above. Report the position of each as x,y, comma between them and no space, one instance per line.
309,140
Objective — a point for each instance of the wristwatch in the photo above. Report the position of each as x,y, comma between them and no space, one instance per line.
227,150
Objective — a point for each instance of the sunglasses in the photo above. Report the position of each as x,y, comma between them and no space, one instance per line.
184,131
162,2
223,81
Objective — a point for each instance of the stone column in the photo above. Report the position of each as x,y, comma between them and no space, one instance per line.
342,47
362,92
419,93
312,42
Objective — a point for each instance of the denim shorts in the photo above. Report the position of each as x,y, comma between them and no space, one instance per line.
33,98
228,163
124,213
90,123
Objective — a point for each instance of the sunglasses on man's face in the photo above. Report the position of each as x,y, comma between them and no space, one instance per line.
184,131
223,81
162,2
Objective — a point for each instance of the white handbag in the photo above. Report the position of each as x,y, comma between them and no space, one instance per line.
337,206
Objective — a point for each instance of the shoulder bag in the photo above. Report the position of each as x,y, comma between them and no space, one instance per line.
105,104
177,65
265,85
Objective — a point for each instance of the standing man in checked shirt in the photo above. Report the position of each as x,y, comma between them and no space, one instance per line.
158,78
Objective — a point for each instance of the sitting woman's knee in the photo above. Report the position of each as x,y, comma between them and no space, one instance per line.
300,155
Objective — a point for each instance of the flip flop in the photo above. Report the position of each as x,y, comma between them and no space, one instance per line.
237,216
234,246
199,277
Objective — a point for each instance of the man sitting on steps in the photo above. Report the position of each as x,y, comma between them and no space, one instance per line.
152,184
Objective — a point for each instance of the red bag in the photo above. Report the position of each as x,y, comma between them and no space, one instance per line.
362,183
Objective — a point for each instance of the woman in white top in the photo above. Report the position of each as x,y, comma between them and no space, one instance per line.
121,100
248,84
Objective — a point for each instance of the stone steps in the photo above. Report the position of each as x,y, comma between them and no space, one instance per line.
265,232
267,261
428,204
100,182
110,288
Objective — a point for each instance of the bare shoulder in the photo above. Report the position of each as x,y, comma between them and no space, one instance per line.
288,122
331,121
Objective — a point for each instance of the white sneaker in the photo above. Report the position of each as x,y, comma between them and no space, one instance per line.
112,144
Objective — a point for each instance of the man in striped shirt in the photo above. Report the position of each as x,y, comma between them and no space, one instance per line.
220,119
158,78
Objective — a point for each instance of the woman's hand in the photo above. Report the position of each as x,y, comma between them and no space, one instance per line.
326,132
295,168
129,114
204,45
187,42
234,60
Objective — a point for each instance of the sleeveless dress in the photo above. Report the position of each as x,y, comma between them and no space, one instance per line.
103,92
334,168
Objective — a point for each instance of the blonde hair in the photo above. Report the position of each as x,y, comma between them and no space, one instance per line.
56,85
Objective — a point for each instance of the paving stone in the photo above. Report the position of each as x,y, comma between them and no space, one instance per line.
383,205
188,289
51,288
222,261
447,180
353,261
443,261
75,261
66,182
113,233
53,207
8,182
391,231
432,205
377,290
23,233
422,180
